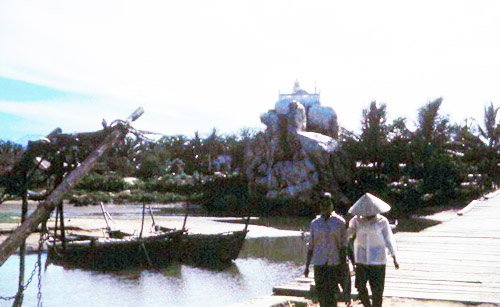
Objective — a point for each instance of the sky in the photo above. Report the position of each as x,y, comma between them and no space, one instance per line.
195,65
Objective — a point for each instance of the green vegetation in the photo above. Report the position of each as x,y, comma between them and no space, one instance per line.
434,165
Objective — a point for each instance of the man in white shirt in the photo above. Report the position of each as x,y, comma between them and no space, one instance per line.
372,237
327,251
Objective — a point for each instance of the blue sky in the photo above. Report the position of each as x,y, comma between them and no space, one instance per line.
195,65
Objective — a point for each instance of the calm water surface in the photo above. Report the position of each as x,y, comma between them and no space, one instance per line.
263,264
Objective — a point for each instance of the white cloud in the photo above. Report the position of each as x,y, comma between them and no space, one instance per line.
194,65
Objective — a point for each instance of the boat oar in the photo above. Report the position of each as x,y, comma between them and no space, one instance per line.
152,216
104,214
185,215
142,224
140,235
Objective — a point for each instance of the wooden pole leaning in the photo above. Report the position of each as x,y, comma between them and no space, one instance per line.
42,212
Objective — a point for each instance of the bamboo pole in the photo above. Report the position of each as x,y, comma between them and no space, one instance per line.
186,215
22,252
152,216
42,212
143,214
62,229
108,228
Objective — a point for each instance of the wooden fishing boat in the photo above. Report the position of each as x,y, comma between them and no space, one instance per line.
211,249
154,251
119,250
157,250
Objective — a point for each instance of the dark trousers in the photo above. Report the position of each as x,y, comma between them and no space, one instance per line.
327,278
345,281
375,275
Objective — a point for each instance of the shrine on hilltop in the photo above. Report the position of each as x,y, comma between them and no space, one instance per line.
300,95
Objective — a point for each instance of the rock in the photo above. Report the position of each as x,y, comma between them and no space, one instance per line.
316,142
271,120
281,107
297,116
322,119
124,194
298,150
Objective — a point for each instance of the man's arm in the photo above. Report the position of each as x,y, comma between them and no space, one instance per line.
351,236
346,274
308,262
390,242
310,249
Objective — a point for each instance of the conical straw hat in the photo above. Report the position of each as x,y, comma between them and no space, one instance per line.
368,205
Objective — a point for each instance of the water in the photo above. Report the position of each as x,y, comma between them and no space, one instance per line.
263,264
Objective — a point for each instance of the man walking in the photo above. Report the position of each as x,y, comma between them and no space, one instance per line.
327,251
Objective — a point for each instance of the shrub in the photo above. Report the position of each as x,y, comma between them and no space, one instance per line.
93,198
97,182
179,184
262,205
408,201
228,194
153,196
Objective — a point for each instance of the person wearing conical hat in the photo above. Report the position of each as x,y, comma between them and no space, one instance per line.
372,237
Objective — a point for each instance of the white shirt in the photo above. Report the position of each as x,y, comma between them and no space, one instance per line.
327,239
372,239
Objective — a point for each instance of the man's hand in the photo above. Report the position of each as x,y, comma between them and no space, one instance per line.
396,264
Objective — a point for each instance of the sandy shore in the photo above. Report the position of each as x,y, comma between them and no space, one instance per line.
88,220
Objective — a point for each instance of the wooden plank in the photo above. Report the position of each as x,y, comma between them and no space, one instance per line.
443,296
457,252
449,240
443,276
445,285
455,234
458,255
444,289
473,248
439,268
484,292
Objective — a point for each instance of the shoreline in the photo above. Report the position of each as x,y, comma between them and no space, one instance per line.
88,220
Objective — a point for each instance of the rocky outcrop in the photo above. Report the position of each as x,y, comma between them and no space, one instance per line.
297,152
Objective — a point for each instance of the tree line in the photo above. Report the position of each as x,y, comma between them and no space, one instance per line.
431,164
436,163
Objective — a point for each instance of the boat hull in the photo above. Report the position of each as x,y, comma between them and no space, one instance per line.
211,249
113,254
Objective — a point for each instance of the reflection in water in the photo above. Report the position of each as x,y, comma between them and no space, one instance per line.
263,264
276,249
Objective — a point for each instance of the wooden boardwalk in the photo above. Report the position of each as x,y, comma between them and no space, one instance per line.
458,260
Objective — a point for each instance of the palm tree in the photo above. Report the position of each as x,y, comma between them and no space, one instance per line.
491,139
491,131
374,134
431,145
